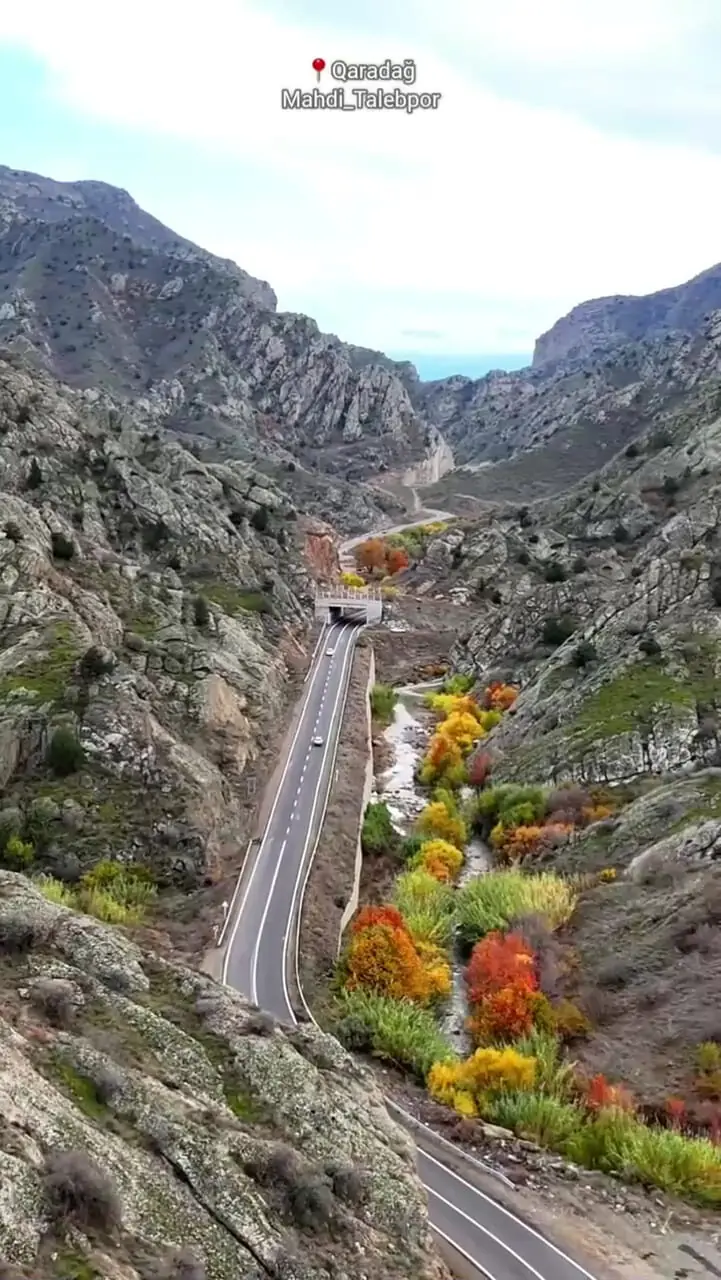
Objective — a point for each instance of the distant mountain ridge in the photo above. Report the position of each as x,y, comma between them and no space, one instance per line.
104,296
605,323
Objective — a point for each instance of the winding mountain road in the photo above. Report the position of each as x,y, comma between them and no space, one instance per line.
482,1237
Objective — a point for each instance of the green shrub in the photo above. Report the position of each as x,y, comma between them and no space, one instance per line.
65,754
18,854
411,846
259,519
496,899
459,684
378,834
55,891
511,804
131,886
554,572
580,564
537,1117
383,701
63,548
584,653
396,1030
616,1143
201,611
557,629
426,906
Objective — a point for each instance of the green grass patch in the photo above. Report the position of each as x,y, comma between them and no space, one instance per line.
635,699
79,1087
383,700
426,905
69,1265
46,676
395,1030
234,600
496,899
142,620
378,835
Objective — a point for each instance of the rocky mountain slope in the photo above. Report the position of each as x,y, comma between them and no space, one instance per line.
605,604
155,608
603,324
155,1128
537,431
102,295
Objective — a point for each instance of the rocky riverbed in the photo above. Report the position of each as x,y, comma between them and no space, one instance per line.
405,741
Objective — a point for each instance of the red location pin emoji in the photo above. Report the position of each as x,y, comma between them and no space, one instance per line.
318,66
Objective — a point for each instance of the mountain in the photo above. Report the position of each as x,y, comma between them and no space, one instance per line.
100,294
598,327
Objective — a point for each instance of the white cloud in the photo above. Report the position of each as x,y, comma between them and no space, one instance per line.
483,220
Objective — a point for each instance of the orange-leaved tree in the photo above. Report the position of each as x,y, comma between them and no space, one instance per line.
515,843
502,987
396,560
601,1095
499,696
370,555
383,959
500,960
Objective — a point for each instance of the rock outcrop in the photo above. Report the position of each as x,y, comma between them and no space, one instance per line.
153,1125
602,325
156,608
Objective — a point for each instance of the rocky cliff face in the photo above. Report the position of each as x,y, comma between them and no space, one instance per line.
538,431
157,608
103,295
155,1128
600,326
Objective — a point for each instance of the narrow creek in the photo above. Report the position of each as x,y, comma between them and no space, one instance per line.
407,738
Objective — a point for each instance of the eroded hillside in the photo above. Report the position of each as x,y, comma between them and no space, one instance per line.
153,611
155,1128
605,605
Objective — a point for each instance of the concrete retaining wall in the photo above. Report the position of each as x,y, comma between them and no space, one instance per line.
352,905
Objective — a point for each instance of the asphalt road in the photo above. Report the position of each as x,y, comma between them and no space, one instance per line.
256,958
480,1237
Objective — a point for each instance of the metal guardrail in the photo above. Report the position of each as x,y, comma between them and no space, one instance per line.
349,593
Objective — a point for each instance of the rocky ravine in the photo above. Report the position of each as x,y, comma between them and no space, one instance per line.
153,1127
156,606
605,605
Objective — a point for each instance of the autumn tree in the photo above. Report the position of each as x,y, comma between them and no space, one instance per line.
438,820
396,560
479,769
370,555
502,987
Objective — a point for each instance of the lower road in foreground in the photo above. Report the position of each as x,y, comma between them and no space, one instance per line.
480,1236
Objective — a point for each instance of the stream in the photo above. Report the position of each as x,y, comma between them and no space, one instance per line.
407,738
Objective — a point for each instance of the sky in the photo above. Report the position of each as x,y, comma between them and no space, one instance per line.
575,150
